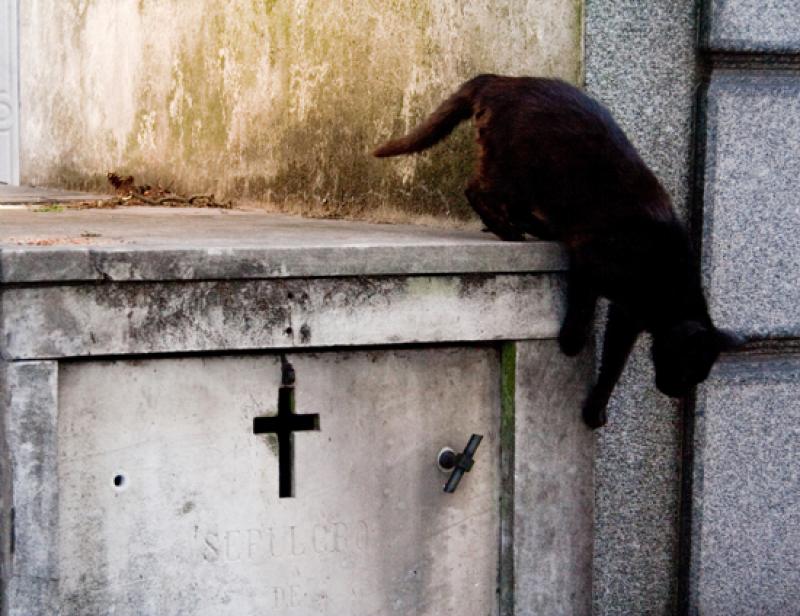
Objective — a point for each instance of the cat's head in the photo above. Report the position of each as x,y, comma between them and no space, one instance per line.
684,354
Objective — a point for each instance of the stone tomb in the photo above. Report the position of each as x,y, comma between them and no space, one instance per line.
237,414
369,530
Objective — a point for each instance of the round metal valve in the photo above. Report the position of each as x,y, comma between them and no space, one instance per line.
457,464
446,460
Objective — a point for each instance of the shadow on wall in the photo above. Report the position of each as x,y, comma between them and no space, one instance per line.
271,99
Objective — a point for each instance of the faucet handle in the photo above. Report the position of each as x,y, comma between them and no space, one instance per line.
459,463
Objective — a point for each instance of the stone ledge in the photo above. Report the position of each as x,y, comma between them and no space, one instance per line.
153,244
178,317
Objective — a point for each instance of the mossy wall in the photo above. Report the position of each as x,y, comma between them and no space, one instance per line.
279,100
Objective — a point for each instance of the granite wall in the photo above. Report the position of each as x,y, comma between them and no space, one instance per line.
698,502
742,497
640,62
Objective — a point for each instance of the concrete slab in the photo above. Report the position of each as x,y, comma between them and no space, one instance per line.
193,523
192,243
184,283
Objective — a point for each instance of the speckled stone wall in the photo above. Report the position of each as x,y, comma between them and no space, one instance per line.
753,25
640,61
751,228
746,499
272,99
696,502
743,501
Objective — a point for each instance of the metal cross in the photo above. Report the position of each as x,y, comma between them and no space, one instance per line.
285,424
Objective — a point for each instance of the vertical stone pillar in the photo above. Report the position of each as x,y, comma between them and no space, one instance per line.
640,62
554,482
28,450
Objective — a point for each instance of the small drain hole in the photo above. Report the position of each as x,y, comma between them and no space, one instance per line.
120,481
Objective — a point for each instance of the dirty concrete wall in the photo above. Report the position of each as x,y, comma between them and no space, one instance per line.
270,99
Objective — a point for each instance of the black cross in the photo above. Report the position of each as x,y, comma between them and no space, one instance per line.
284,424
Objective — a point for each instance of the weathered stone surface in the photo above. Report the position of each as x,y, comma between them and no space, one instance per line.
640,62
165,244
751,247
271,99
120,318
180,411
197,527
554,489
746,501
753,25
29,408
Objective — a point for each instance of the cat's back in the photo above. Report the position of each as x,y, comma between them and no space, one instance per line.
539,107
558,145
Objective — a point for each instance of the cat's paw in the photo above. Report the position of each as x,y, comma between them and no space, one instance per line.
505,234
594,412
594,418
510,236
571,341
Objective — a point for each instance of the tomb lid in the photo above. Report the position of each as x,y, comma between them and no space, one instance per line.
136,244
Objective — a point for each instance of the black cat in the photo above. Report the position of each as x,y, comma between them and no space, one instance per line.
554,164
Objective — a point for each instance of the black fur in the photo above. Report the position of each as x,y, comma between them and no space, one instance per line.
553,163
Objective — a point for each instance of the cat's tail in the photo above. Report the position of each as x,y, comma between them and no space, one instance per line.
439,124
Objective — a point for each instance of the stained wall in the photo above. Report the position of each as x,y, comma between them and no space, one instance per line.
270,99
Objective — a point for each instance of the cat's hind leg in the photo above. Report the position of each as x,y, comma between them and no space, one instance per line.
621,333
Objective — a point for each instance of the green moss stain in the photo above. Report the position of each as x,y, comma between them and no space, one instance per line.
50,208
199,125
508,392
423,286
318,138
508,389
358,82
